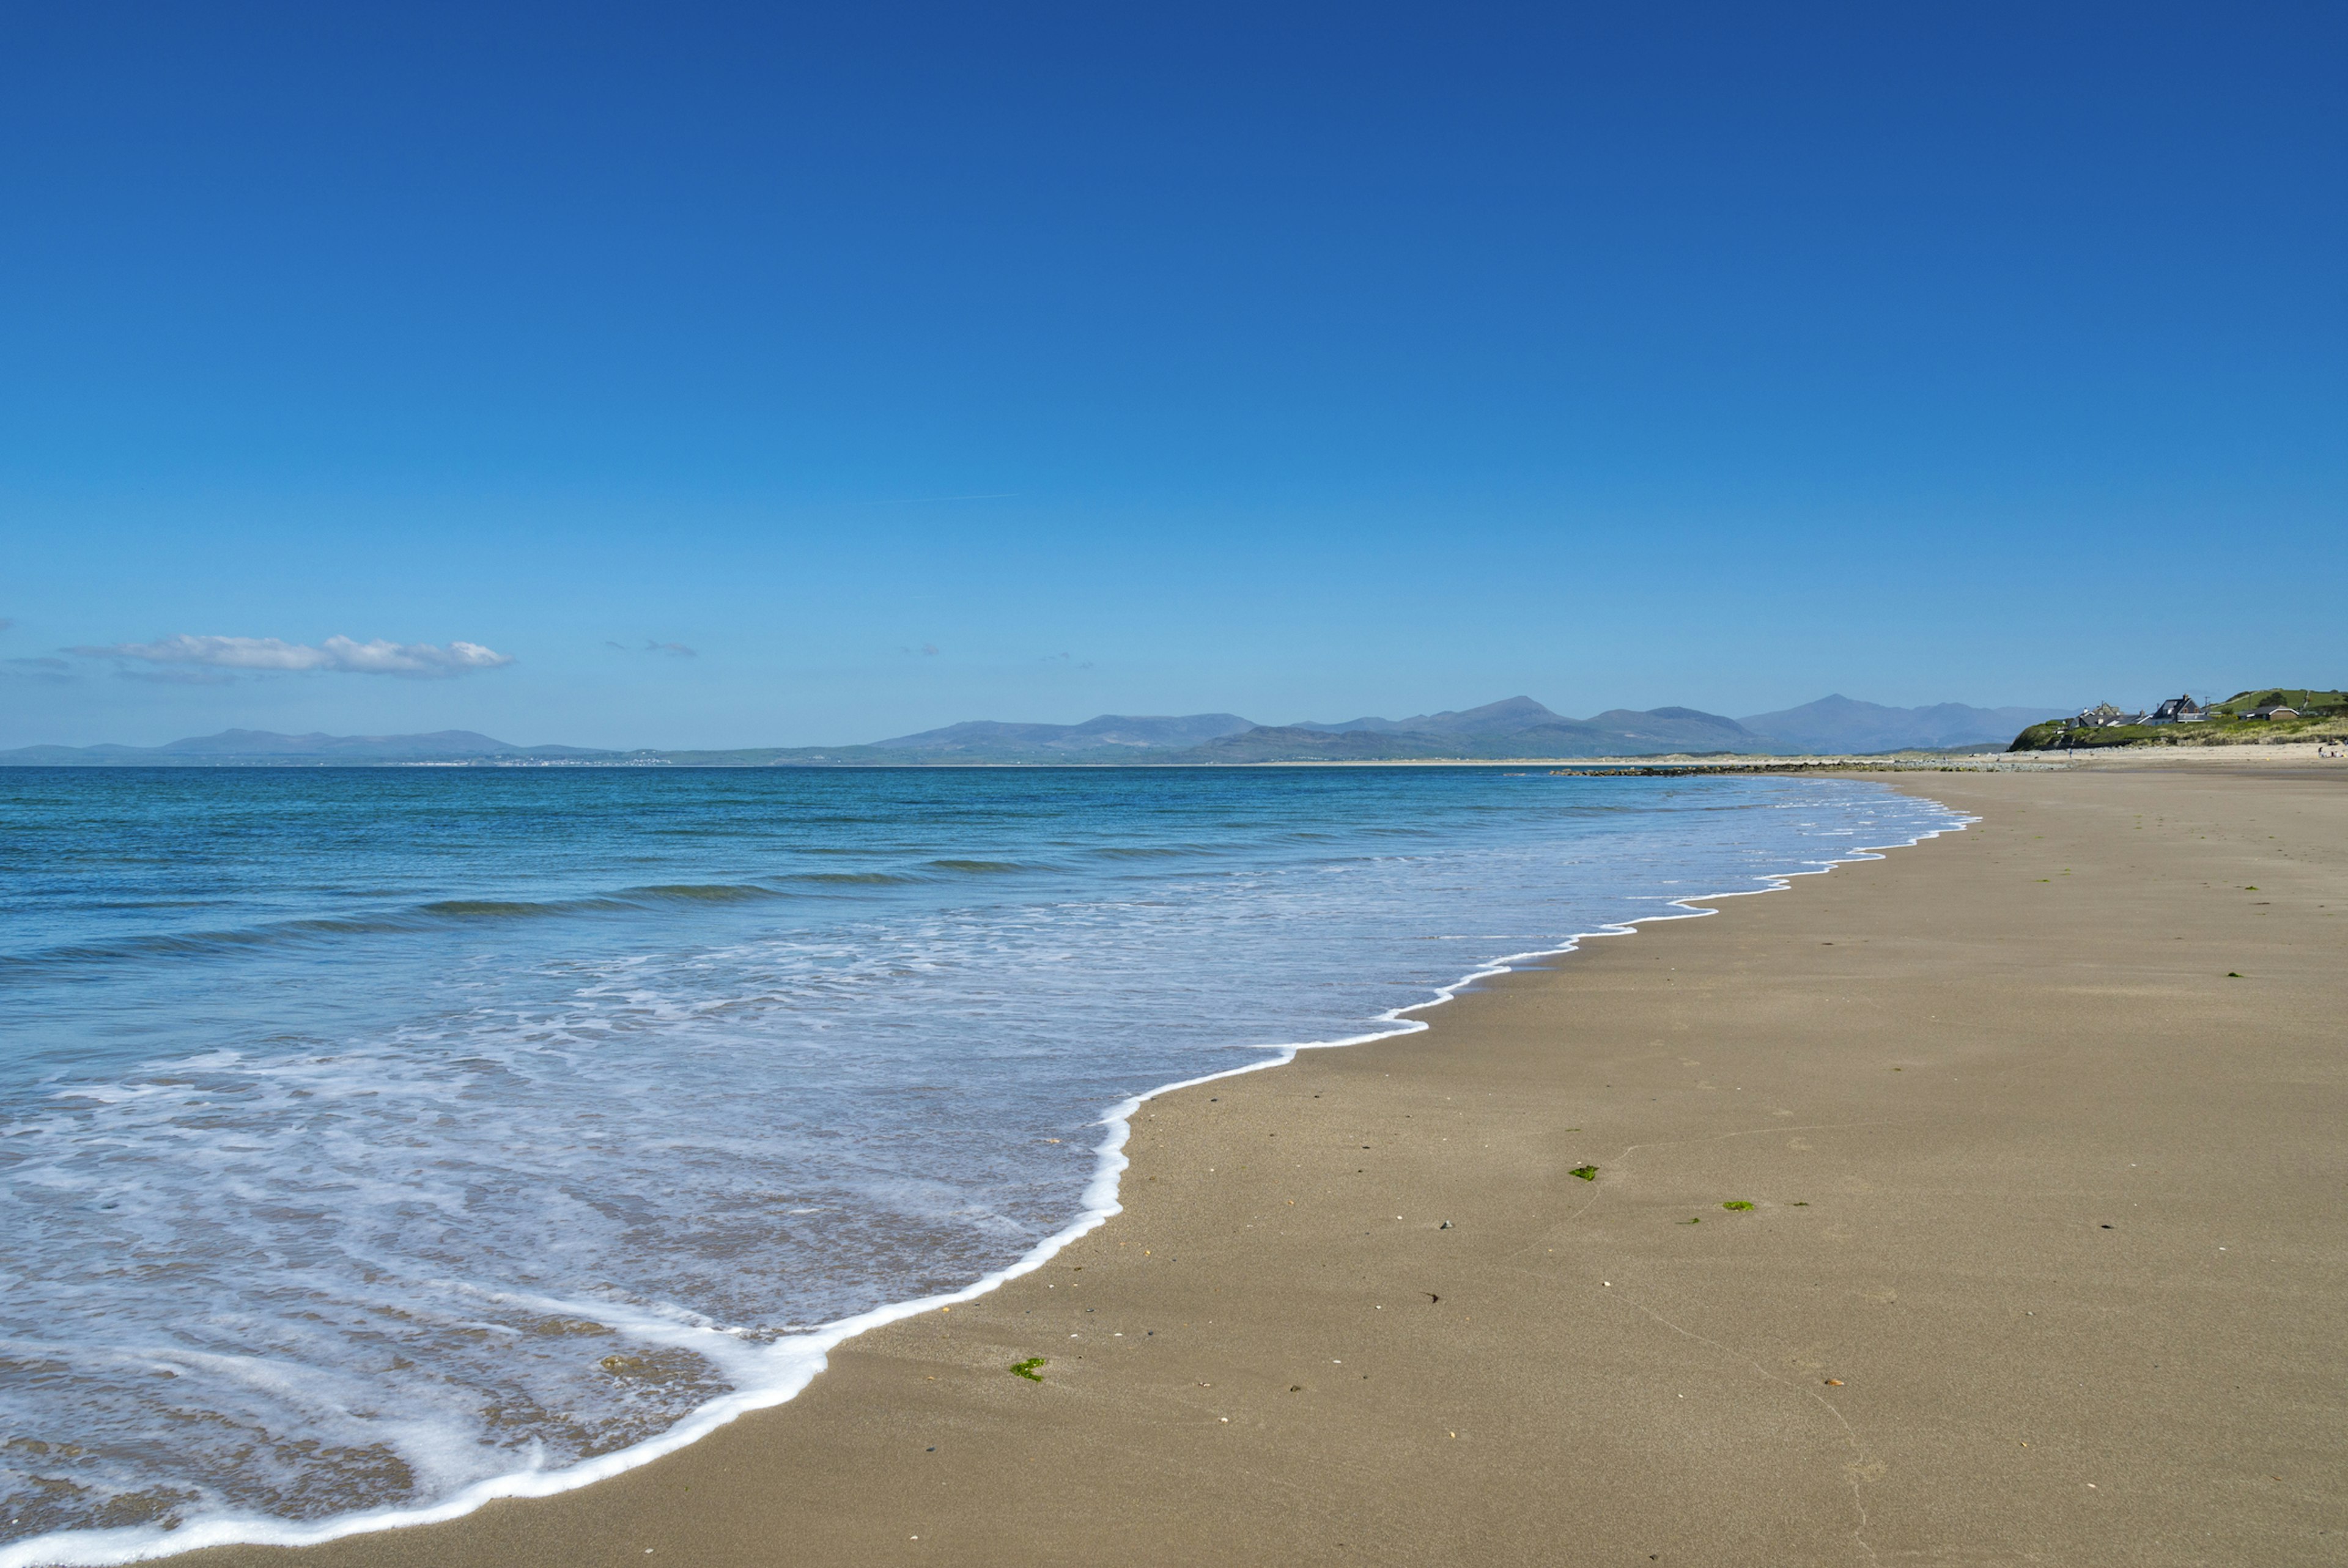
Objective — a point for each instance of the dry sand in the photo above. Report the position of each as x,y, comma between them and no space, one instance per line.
2044,1263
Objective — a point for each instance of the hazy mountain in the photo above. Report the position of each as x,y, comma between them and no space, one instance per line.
1840,724
250,746
1513,727
1299,744
1517,727
1507,716
1373,726
268,743
1677,730
986,740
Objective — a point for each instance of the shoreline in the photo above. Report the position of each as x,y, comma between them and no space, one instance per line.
805,1356
1553,1386
1989,757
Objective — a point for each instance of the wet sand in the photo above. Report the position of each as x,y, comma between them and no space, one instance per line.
2045,1260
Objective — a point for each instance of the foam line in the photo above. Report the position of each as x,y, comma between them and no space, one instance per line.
793,1362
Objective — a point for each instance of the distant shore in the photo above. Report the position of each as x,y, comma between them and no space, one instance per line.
1676,762
2269,754
1669,766
1975,1202
1986,759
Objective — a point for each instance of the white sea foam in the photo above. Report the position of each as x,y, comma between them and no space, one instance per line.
754,1359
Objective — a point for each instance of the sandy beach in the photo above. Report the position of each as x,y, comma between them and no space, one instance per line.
1979,1205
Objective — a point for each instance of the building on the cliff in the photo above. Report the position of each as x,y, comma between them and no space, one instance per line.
2178,710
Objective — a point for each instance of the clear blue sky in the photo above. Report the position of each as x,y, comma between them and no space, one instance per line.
1299,361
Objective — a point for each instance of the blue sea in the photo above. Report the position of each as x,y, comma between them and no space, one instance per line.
381,1140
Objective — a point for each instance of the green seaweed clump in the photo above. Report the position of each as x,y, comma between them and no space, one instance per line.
1027,1368
1587,1173
1737,1204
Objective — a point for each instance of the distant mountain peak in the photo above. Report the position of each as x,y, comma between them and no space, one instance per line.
1511,727
1836,723
269,743
985,740
249,746
1508,714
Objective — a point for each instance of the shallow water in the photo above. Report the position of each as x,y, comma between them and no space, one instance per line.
368,1134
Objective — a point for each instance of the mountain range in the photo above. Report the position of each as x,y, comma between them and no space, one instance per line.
263,746
1514,727
1113,733
1838,723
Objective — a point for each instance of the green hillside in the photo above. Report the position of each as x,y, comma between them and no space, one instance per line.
2323,716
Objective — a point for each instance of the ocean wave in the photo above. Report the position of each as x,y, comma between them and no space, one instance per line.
512,909
437,915
597,1177
443,913
983,867
709,892
1154,851
857,878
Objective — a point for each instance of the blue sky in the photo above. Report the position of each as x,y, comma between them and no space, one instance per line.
764,376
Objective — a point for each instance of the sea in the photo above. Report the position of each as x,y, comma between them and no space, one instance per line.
378,1141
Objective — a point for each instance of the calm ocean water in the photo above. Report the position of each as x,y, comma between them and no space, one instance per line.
370,1136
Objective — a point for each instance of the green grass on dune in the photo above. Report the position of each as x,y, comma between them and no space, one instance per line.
2323,716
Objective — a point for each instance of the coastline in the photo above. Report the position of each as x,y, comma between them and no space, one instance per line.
875,1387
801,1358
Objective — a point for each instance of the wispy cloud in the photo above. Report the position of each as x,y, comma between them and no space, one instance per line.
927,650
673,650
55,670
341,655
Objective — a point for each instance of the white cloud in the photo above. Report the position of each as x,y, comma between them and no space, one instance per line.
341,654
